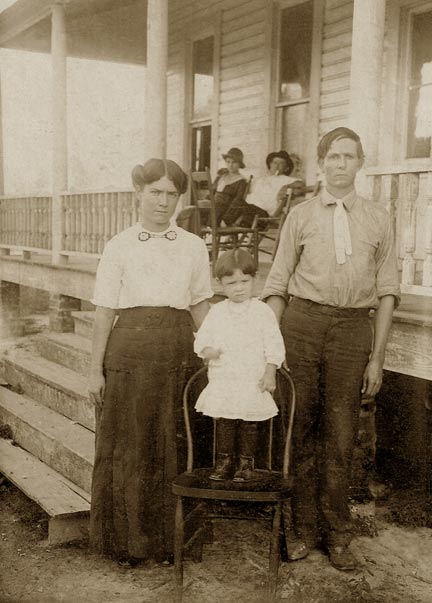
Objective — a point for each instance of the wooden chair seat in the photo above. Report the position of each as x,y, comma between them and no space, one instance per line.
267,487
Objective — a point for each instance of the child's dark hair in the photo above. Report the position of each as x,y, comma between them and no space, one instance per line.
235,259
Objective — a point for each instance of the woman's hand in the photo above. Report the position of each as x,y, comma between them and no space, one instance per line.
97,389
268,381
210,353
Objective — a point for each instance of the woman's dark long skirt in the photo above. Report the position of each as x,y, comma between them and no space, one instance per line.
139,433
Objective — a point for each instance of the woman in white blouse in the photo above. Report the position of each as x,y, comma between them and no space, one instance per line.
156,277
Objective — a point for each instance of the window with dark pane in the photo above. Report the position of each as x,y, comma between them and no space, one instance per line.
420,87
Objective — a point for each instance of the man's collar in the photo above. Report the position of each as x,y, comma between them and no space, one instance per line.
348,201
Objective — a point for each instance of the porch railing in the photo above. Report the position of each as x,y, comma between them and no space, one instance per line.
407,194
25,223
90,219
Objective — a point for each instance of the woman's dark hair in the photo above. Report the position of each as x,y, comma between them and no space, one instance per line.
328,139
235,259
281,155
155,169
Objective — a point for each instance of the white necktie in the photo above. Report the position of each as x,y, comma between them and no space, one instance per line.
342,237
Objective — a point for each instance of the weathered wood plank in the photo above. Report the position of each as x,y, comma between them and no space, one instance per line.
409,350
39,482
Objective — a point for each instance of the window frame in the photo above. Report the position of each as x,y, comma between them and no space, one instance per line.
313,100
199,30
405,80
395,95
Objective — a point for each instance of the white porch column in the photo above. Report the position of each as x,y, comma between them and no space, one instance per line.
366,73
59,112
156,78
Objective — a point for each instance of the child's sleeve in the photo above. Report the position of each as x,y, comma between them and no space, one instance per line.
206,334
274,347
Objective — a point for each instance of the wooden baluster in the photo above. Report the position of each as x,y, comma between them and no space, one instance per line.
107,219
427,264
134,206
33,202
114,210
100,222
14,222
74,207
65,222
125,217
25,222
410,190
19,220
93,199
83,224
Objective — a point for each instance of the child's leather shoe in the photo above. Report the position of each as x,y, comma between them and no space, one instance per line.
223,468
245,471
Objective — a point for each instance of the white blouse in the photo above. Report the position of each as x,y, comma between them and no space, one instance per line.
153,272
264,191
249,337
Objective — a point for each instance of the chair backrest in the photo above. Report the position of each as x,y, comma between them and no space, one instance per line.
200,186
188,218
284,379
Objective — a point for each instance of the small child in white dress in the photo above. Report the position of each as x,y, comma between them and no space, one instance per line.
241,341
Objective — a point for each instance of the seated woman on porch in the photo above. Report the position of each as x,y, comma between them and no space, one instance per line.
156,277
230,186
266,192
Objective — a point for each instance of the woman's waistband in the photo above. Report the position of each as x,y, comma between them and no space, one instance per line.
300,303
151,317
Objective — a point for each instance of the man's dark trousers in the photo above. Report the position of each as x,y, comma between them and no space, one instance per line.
327,352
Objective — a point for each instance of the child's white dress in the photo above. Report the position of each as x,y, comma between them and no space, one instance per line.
249,337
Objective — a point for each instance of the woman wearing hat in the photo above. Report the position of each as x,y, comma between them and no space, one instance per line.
267,191
230,186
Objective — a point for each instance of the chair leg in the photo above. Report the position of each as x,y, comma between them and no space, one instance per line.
274,552
178,550
214,252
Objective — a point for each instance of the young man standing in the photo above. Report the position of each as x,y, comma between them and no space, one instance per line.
335,262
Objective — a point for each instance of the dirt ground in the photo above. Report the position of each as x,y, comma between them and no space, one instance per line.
396,566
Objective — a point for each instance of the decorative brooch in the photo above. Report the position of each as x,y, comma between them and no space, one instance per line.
171,235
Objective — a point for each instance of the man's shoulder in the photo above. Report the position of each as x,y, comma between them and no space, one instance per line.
373,206
305,208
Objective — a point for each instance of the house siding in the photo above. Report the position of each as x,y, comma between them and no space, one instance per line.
242,115
336,64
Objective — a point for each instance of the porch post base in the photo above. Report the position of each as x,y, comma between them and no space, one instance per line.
60,312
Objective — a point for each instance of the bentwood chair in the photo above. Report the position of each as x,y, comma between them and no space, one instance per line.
201,500
219,237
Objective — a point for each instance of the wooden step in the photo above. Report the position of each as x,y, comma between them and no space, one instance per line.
68,349
83,323
55,386
68,510
57,441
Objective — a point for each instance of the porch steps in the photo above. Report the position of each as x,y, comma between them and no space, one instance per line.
51,421
83,323
56,386
68,349
60,443
68,507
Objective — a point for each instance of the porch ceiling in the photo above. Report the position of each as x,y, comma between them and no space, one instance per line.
107,30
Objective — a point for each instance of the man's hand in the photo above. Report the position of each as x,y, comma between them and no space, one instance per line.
372,378
210,353
268,381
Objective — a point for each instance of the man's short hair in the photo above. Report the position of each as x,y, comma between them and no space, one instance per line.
328,139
